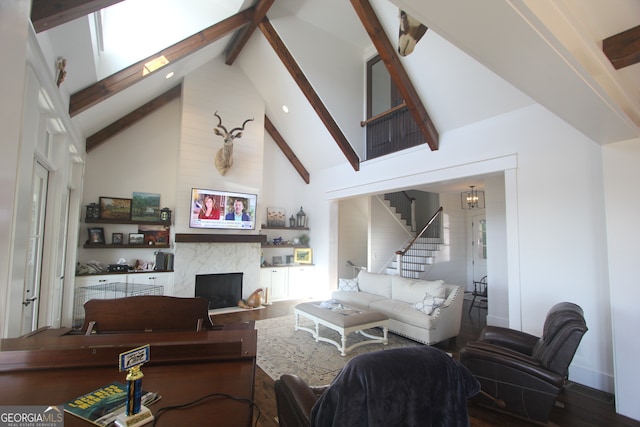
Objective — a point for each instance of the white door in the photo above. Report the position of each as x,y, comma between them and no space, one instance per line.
479,246
31,291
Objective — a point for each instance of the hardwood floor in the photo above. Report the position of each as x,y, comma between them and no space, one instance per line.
578,406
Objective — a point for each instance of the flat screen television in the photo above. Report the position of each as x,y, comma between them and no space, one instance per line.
222,210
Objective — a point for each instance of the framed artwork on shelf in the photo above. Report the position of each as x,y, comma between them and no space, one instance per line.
302,255
145,207
136,239
276,217
154,234
116,238
115,208
96,236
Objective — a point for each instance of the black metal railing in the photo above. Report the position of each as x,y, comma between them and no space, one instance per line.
401,253
391,131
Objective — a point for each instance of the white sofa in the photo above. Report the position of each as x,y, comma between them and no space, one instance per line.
403,300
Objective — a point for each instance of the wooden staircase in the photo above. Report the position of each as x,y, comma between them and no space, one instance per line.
422,251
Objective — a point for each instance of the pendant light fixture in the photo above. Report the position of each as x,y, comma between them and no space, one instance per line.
472,199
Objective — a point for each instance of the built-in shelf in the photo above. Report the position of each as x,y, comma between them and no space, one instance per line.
264,227
285,245
219,238
98,246
124,221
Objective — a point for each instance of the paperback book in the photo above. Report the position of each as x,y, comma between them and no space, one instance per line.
102,406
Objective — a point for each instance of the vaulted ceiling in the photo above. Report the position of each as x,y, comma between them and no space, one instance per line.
478,60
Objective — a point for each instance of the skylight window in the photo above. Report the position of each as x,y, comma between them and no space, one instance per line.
136,29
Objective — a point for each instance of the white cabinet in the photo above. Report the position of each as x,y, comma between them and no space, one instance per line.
301,281
275,279
99,279
288,282
118,285
155,278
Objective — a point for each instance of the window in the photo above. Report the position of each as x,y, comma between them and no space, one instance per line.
390,127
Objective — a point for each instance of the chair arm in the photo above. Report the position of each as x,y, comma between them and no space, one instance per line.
504,358
295,398
521,342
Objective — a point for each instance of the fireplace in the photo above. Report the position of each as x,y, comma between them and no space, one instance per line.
222,289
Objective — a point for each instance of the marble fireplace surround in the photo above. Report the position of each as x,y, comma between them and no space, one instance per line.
208,257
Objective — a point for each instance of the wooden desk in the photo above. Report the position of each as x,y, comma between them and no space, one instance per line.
184,366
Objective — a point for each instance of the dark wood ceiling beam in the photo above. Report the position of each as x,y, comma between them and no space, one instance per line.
284,147
117,82
47,14
130,119
398,74
623,49
296,72
242,36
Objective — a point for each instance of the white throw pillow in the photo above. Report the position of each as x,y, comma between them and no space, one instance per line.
410,290
428,304
348,285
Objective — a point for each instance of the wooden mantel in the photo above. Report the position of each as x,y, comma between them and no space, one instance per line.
219,238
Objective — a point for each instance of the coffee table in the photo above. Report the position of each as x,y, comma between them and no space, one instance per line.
344,320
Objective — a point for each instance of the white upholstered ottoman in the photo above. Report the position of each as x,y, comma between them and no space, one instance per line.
344,320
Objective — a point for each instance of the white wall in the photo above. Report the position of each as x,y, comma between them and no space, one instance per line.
621,181
452,259
560,241
353,242
13,32
142,158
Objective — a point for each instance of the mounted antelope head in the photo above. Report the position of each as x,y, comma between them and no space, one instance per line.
411,31
224,156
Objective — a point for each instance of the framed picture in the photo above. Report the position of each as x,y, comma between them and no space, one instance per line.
136,239
145,207
154,234
302,255
276,217
115,208
96,236
116,238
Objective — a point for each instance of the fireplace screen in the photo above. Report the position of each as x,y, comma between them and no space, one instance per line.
222,290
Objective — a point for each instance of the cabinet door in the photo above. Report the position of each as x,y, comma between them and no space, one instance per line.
83,281
279,279
152,279
301,283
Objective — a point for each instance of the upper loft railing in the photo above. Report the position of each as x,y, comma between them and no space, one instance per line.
402,252
391,131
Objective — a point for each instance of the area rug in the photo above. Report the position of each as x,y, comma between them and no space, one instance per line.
282,350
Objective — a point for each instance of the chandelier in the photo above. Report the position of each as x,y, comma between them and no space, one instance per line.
472,199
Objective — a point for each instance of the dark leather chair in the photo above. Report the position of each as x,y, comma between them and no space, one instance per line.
523,374
404,386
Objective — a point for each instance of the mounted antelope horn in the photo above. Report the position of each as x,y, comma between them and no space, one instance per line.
219,125
241,128
224,157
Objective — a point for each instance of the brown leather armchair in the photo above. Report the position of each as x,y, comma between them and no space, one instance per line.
403,386
523,374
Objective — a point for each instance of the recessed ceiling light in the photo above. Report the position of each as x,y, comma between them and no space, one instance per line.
169,75
285,108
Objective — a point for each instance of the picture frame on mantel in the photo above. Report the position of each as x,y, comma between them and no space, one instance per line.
303,255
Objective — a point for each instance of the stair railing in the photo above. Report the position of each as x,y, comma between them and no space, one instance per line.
402,252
